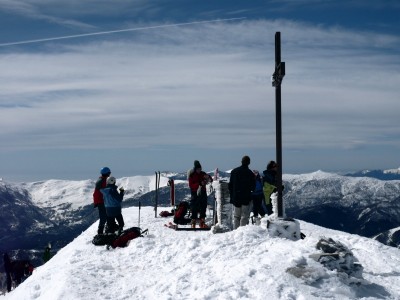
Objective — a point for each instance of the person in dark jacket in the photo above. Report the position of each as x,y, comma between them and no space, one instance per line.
7,268
112,203
257,196
198,201
16,270
241,184
269,184
20,269
98,198
47,254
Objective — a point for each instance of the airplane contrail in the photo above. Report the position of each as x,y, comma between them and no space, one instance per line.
115,31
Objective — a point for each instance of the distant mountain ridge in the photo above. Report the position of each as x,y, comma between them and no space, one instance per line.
33,214
391,174
364,206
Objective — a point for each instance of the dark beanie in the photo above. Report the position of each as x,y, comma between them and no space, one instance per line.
197,164
271,165
246,160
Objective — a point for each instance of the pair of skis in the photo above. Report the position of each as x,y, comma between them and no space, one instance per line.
177,228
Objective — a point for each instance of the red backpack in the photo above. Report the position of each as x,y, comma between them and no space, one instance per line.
123,239
180,213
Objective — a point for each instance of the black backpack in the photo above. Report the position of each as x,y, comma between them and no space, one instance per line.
104,239
181,212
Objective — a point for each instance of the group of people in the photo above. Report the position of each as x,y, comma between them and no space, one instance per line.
16,270
108,198
247,189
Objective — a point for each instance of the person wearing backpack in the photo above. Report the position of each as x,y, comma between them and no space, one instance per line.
98,198
269,184
198,202
257,196
241,184
112,203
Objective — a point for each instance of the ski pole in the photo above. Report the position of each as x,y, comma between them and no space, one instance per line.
139,213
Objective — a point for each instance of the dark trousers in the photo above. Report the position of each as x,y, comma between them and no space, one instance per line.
102,217
257,205
8,276
267,207
112,226
198,204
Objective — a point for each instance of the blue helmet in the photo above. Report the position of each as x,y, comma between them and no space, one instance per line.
105,171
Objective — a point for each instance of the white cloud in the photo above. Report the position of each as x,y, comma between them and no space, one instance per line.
32,10
207,82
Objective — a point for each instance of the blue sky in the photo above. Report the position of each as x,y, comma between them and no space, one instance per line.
159,98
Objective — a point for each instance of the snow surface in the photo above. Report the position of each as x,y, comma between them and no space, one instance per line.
243,264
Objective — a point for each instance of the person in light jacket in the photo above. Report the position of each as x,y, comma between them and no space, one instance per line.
112,203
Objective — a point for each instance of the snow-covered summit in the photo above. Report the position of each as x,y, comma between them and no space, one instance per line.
243,264
33,214
317,175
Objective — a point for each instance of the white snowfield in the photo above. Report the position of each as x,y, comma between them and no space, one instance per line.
53,193
243,264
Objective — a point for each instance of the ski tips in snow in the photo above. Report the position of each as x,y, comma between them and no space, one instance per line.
177,228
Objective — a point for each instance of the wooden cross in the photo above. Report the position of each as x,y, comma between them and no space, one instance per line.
277,78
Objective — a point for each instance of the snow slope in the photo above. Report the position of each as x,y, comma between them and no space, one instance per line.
243,264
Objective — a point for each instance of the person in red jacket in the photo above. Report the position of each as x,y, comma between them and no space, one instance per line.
198,203
98,200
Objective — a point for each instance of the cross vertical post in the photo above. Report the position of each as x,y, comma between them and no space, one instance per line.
277,78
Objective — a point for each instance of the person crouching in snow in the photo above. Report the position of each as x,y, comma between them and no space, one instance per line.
198,202
112,202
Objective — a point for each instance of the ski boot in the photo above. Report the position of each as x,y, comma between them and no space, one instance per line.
203,223
193,223
100,230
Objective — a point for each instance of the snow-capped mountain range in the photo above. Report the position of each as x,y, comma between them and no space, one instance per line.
390,174
56,211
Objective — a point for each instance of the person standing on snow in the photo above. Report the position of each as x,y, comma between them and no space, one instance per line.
112,203
7,269
98,198
269,184
47,255
257,196
198,202
241,184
